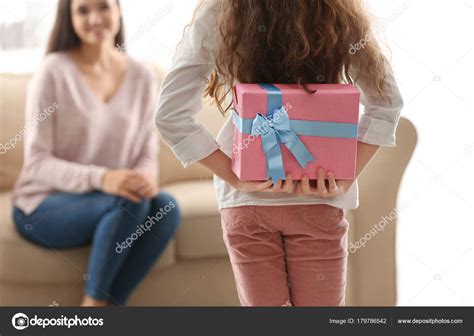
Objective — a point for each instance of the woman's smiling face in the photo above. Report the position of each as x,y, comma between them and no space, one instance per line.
95,21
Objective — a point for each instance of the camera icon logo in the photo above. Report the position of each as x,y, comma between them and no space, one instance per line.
20,321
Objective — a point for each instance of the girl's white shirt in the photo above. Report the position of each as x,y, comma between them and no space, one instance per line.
180,100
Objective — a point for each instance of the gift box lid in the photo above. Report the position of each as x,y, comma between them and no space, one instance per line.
329,102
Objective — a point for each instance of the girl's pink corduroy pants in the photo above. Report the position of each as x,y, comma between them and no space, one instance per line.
287,255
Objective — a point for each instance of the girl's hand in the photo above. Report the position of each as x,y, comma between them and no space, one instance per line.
129,184
322,189
305,187
287,186
251,186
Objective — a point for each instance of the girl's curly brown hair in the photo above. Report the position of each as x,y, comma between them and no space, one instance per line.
293,42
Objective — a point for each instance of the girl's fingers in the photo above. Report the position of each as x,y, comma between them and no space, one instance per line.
321,182
298,189
276,187
289,186
332,183
264,185
305,185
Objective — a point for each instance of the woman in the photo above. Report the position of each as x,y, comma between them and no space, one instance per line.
287,242
91,162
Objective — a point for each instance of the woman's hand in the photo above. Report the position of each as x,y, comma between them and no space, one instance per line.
130,184
151,188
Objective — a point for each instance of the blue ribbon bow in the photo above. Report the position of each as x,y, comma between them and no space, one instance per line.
276,130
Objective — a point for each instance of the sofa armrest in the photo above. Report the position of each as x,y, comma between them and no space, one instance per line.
372,270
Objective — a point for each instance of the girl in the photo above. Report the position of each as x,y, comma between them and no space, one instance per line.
90,167
287,242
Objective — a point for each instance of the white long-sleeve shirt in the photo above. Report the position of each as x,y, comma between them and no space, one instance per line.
181,99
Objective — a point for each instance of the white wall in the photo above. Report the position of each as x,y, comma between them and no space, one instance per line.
433,57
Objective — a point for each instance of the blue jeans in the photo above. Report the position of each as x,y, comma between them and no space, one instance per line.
126,237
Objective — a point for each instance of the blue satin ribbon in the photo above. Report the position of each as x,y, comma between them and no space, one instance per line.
276,128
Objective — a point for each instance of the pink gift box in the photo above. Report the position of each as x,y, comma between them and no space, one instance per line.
332,112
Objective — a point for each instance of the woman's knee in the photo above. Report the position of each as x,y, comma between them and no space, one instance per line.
164,205
138,209
34,233
22,226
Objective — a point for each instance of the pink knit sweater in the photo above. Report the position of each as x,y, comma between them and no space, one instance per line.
76,136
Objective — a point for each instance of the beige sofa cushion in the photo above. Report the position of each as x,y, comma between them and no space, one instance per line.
200,234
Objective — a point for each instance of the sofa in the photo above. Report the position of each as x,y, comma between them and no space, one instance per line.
194,270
